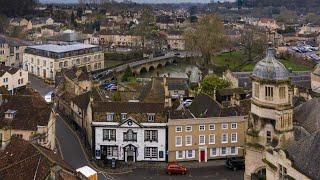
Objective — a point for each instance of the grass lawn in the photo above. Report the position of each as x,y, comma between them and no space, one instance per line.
234,59
295,66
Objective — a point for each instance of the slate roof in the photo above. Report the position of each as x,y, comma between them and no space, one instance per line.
32,111
270,68
307,115
80,73
4,69
83,100
62,48
23,160
230,91
305,155
205,106
298,78
128,107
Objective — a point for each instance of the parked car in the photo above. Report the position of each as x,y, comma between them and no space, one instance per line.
174,168
187,103
235,163
97,76
108,72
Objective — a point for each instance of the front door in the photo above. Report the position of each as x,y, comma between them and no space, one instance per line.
44,74
202,155
130,155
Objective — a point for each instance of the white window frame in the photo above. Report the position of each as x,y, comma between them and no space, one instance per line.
236,124
235,150
186,128
211,152
187,154
177,154
222,151
214,138
222,141
178,145
214,127
123,116
236,136
151,117
204,127
186,142
178,127
110,115
222,126
204,140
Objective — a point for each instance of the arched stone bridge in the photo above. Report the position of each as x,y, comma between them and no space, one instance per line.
142,65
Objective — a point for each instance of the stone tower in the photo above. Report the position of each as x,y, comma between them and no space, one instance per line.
271,113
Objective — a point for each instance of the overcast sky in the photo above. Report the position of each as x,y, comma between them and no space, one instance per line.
139,1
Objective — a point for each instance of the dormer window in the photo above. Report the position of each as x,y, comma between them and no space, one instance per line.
123,116
10,114
151,117
110,116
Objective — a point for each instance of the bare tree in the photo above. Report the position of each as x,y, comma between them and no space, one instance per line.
207,36
253,41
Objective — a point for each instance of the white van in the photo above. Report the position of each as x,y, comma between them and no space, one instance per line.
48,97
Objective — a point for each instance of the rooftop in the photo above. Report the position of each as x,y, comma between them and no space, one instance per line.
31,111
305,155
270,68
23,160
62,48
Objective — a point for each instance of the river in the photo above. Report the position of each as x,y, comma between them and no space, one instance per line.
177,70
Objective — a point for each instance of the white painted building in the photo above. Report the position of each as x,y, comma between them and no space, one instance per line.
45,61
13,78
130,141
129,131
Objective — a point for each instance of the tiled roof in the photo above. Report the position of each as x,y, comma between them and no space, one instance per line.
23,160
205,106
305,155
32,111
128,107
4,69
81,73
307,115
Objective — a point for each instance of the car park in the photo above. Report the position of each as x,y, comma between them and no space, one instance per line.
174,168
235,163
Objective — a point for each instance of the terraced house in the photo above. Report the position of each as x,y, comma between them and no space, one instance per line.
45,61
206,131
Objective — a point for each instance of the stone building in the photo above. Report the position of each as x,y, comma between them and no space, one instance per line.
271,122
45,61
27,116
206,131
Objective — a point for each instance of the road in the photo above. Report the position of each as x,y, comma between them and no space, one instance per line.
39,85
212,173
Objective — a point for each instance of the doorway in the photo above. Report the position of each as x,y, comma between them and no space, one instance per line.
202,155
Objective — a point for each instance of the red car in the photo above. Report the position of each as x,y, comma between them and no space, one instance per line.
174,168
